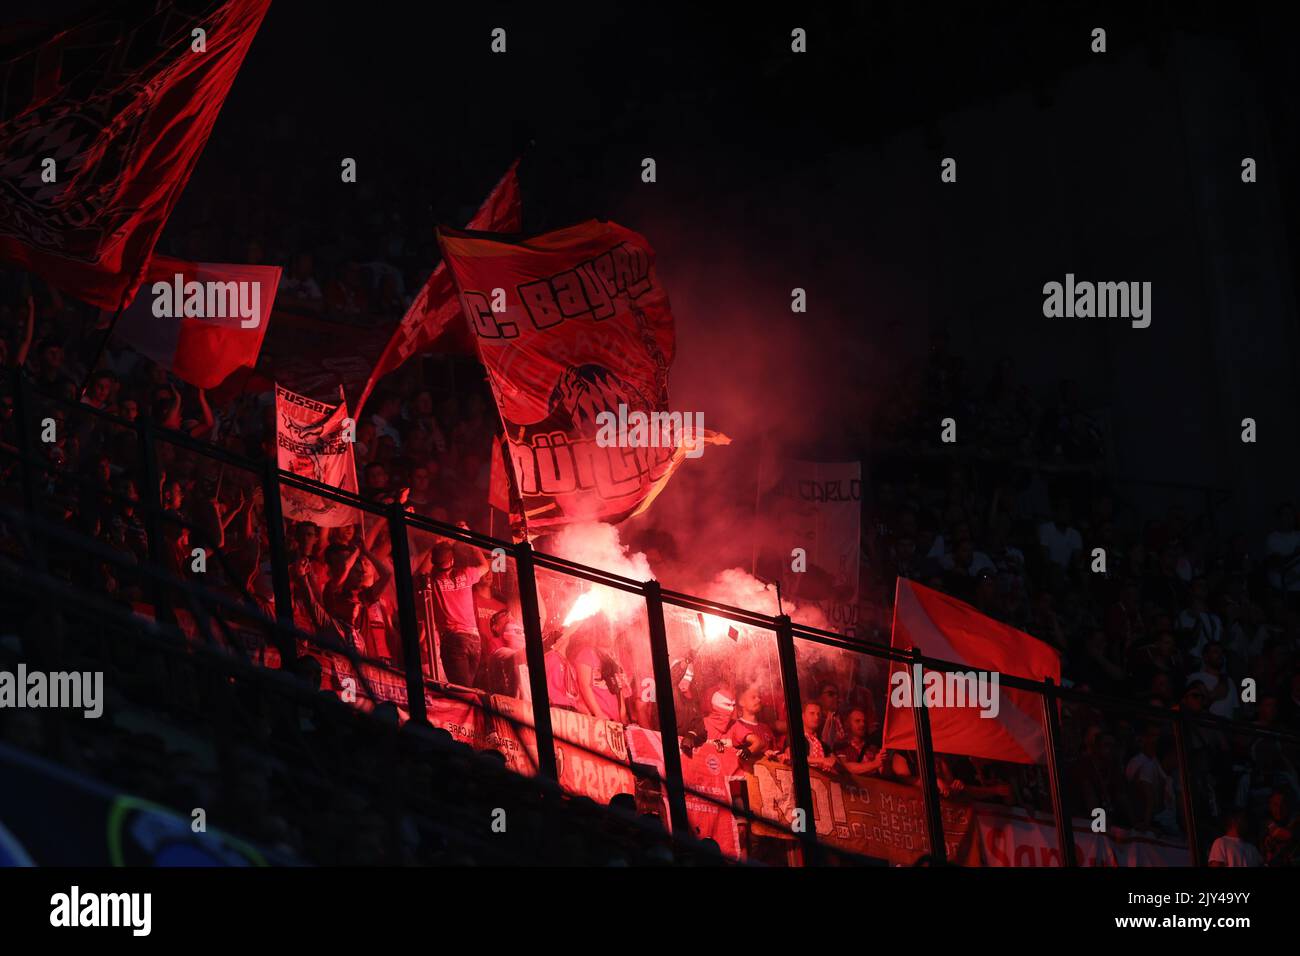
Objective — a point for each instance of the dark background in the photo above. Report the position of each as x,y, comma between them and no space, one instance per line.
821,171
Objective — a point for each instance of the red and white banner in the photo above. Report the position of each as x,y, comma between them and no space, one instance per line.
869,816
436,304
706,775
949,630
1010,836
590,753
122,104
570,325
310,442
200,320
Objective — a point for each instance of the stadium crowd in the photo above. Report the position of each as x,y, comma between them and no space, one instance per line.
1182,613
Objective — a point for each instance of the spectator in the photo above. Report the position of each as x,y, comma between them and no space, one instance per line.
453,611
855,753
1234,848
1220,687
1059,539
1281,548
748,733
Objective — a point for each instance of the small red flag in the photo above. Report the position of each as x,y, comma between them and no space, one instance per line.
101,125
200,320
945,629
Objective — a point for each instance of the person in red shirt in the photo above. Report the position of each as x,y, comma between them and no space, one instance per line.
599,674
453,611
748,733
856,755
561,678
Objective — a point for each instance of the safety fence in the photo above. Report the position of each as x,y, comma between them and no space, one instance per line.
234,576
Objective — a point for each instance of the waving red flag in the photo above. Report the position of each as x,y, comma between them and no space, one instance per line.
436,304
200,320
946,629
123,103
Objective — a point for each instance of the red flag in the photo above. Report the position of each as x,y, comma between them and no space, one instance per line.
436,305
123,105
946,629
202,321
574,327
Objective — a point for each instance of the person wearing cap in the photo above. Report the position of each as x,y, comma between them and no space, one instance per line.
714,725
1221,692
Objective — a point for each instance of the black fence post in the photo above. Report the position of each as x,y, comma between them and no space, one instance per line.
26,450
273,514
407,621
151,496
1051,736
1189,798
536,654
803,794
925,763
667,713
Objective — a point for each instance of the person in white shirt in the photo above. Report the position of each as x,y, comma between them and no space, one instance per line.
1153,787
967,560
1058,539
1203,625
1233,849
386,416
297,282
1280,547
1214,675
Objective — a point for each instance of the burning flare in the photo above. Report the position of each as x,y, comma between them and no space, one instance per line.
588,603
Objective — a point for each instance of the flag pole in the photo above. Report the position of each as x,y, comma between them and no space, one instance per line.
103,347
758,494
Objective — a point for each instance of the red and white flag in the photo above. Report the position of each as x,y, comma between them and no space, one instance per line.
946,629
436,304
200,320
101,124
310,442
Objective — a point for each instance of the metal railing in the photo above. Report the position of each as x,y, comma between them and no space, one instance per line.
400,524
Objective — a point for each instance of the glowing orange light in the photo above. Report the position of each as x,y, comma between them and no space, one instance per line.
588,603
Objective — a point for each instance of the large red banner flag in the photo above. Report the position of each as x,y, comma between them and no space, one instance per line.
200,320
122,103
1004,725
570,325
436,304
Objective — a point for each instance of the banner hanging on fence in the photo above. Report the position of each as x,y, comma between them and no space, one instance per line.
865,815
590,753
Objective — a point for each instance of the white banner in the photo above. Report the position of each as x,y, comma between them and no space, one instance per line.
310,442
1013,837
